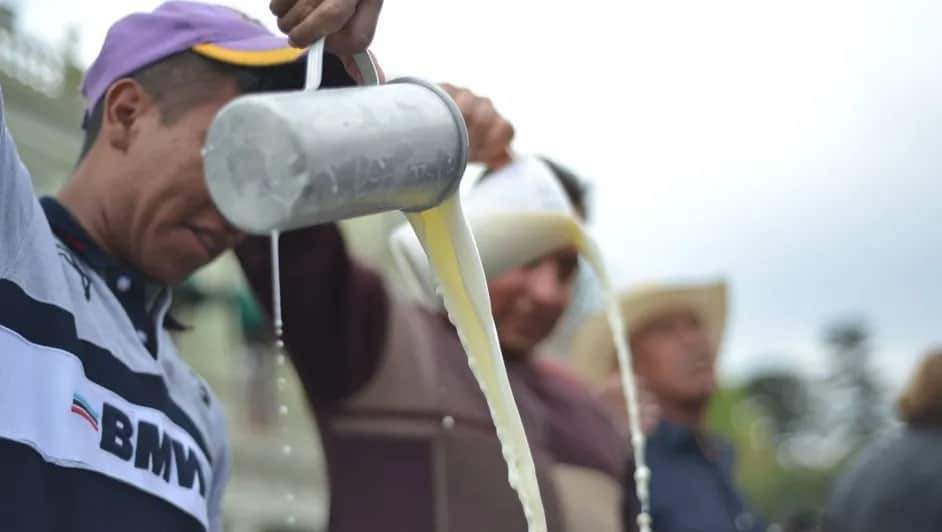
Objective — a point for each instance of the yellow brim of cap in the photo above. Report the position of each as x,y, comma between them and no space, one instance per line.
250,58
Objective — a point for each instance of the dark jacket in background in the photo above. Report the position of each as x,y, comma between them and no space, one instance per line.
894,486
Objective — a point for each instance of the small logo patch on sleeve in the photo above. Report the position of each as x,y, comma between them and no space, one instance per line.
81,407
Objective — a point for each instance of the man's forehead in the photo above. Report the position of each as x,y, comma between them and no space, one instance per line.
562,253
666,315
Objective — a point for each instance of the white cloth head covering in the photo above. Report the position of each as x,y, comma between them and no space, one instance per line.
518,213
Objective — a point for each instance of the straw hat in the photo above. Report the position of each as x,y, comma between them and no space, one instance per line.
593,349
517,214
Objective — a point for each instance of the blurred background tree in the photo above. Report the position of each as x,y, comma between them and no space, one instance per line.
858,410
757,418
784,399
794,432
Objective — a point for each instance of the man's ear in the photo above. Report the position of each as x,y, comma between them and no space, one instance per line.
125,103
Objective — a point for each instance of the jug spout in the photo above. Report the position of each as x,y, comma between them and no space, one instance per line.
281,161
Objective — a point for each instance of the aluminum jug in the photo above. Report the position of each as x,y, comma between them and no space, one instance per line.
280,161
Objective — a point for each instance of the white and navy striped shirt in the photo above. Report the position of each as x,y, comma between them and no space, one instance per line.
103,426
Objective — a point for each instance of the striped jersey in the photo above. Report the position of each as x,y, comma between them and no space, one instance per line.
104,427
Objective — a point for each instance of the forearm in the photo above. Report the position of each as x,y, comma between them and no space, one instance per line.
18,203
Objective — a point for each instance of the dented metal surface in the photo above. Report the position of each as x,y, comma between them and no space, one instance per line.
281,161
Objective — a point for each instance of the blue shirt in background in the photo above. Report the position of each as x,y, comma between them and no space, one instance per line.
692,487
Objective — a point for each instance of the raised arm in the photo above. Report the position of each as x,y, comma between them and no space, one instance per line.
18,205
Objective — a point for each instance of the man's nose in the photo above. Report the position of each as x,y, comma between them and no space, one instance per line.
545,287
694,336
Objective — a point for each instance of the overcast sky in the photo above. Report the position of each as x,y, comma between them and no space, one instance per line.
792,147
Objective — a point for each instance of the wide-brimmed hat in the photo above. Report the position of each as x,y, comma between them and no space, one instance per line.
593,350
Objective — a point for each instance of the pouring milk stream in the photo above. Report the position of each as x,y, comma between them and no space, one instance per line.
313,74
547,231
514,221
285,160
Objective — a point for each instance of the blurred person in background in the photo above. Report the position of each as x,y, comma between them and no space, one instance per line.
256,335
408,437
674,332
260,360
895,485
106,427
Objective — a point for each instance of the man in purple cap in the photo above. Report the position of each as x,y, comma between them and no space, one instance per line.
104,427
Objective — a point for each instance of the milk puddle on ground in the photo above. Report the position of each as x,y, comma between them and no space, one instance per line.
447,240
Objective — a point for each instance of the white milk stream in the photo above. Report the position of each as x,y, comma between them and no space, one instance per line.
281,365
454,259
534,232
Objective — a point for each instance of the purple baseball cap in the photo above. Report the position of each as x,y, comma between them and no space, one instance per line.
217,32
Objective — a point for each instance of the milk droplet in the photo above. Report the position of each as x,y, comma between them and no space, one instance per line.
642,475
644,522
280,358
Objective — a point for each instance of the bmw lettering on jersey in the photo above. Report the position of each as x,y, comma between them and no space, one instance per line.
150,448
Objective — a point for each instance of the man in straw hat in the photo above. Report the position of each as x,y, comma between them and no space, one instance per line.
674,332
409,441
105,428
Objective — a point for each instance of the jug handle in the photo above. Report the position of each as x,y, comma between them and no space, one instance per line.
315,66
367,67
